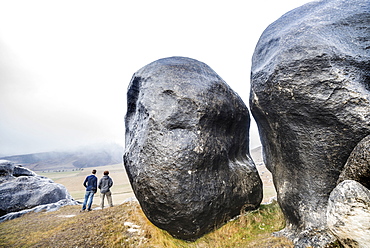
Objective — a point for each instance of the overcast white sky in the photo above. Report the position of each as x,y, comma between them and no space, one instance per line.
65,65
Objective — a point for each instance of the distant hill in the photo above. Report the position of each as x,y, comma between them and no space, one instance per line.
91,156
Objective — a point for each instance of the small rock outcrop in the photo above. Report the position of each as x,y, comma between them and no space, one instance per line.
348,214
310,96
22,189
187,148
357,167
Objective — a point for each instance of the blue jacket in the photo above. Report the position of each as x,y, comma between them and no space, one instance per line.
91,183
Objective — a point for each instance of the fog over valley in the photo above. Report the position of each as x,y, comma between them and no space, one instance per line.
65,66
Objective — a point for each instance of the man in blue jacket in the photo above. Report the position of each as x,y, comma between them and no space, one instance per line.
90,184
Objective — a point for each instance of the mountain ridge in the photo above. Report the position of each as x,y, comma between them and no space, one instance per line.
89,156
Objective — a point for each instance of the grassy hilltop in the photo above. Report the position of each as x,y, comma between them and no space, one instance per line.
125,225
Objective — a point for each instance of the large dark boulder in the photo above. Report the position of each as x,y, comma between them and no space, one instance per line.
187,148
22,189
310,96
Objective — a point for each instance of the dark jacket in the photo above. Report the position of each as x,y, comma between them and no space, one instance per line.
91,183
105,183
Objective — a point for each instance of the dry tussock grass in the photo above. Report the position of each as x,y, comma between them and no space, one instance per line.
118,227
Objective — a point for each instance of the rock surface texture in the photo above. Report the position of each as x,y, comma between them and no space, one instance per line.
348,214
187,148
21,189
310,96
357,167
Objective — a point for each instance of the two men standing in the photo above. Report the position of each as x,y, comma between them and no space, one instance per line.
91,185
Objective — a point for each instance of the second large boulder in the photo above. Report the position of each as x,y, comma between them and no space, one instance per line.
187,148
310,96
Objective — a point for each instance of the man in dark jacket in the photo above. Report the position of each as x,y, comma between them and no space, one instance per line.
90,184
105,183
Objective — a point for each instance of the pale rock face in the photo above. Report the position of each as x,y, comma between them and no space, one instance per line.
187,148
348,214
22,189
310,96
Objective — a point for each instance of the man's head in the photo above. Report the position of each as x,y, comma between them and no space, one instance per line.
93,172
106,173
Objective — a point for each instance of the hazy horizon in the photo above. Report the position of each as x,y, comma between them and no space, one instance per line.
65,66
77,148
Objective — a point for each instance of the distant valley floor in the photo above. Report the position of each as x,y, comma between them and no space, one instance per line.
72,179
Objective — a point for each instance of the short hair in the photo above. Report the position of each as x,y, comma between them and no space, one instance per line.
93,171
106,173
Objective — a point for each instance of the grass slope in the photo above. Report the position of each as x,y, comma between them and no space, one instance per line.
125,225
